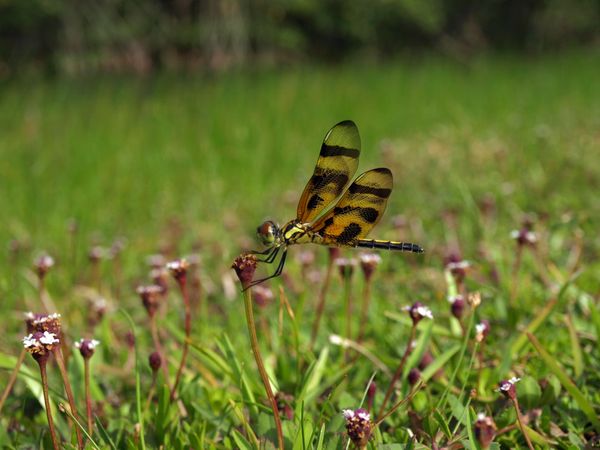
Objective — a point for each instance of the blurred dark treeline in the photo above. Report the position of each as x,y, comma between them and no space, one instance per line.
87,36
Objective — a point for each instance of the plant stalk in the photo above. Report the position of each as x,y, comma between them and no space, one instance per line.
260,365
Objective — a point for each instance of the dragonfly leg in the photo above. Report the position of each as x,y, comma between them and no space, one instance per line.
274,274
270,252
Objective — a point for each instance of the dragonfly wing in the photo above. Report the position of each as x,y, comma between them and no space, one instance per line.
358,211
337,164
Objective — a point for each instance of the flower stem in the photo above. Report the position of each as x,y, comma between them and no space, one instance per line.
47,403
13,378
158,347
399,370
321,303
349,308
520,421
188,331
366,300
65,376
88,397
260,365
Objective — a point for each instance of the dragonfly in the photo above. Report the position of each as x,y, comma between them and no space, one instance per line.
348,222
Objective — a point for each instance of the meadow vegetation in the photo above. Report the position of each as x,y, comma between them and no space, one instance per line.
113,177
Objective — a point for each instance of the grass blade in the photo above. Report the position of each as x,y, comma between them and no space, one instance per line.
566,382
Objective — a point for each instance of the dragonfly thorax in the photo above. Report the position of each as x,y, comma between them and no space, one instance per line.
294,231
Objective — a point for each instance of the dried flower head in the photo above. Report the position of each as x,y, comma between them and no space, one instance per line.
262,295
485,430
43,264
345,266
358,426
417,311
40,344
43,322
482,329
474,299
154,361
87,347
178,269
507,388
368,263
245,266
150,296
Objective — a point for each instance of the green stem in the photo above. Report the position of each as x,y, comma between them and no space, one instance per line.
261,367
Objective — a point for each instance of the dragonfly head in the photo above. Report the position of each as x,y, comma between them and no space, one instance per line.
268,232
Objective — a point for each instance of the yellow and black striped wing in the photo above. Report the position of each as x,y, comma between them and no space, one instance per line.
358,211
337,164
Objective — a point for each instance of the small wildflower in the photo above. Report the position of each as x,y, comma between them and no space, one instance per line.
482,329
457,266
358,426
399,221
245,266
345,266
98,307
96,253
306,258
117,247
129,339
87,347
371,391
43,322
457,306
485,430
524,236
507,387
334,253
178,269
368,263
160,277
156,261
417,311
414,375
43,264
40,344
262,295
150,296
154,361
284,404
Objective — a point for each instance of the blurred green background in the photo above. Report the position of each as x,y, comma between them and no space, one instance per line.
125,117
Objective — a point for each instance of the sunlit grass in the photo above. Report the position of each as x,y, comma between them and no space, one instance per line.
188,166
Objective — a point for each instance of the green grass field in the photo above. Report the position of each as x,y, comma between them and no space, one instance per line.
189,166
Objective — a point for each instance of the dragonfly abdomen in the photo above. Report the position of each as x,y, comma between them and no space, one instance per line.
390,245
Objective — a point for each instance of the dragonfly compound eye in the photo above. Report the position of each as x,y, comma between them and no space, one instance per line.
267,232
